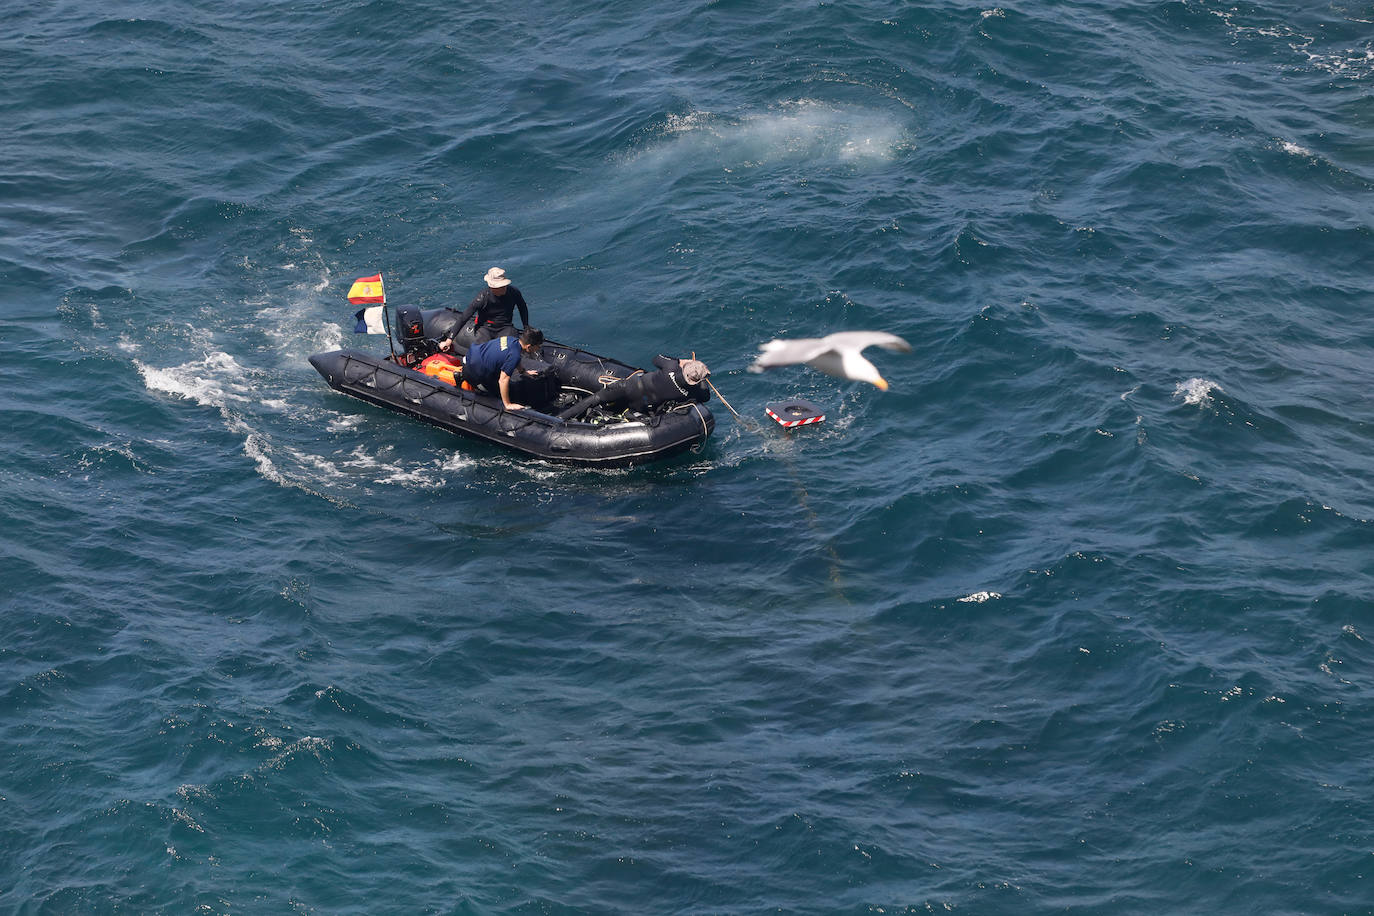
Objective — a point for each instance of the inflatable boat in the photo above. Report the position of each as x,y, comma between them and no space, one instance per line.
559,377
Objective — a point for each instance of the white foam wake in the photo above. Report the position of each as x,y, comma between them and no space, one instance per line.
217,380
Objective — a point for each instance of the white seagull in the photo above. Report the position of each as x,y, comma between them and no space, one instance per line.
836,354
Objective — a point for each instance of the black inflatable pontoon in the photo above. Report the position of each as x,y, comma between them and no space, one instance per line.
560,376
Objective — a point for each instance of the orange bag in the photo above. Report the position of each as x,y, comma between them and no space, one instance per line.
443,367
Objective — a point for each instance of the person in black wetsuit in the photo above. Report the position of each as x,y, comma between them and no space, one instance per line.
675,380
495,308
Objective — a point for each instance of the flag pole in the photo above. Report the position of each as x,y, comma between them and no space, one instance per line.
386,319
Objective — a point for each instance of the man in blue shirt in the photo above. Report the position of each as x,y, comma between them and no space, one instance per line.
493,363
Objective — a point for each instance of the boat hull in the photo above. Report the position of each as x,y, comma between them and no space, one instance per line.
478,415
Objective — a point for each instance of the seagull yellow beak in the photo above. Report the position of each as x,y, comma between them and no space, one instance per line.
881,383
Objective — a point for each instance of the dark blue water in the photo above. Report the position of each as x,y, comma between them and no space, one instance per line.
1074,618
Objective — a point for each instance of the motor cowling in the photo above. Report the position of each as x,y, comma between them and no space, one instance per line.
410,327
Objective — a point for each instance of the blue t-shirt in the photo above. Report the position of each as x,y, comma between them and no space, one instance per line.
488,360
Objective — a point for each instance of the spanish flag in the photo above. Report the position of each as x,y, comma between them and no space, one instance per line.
367,289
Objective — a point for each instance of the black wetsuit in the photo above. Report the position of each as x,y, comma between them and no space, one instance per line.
644,390
495,314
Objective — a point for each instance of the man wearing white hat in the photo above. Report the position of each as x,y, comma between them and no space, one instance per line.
495,308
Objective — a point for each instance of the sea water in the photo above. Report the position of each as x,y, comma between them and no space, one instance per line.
1073,618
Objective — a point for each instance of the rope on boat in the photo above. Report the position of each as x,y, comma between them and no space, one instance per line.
705,432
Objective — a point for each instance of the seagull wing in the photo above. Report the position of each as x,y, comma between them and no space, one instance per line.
858,340
838,354
789,352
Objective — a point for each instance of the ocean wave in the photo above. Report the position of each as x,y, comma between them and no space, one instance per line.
1308,41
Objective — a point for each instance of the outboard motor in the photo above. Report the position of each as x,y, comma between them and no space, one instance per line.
410,327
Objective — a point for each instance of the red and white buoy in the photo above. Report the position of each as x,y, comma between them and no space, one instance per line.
795,413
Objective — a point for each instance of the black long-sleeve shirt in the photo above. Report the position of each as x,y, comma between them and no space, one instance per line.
667,384
497,310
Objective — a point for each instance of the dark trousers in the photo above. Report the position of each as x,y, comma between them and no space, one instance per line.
610,394
488,332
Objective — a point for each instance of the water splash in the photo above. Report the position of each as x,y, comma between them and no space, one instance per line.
1197,392
804,130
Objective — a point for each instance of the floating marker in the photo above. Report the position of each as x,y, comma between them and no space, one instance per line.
795,413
